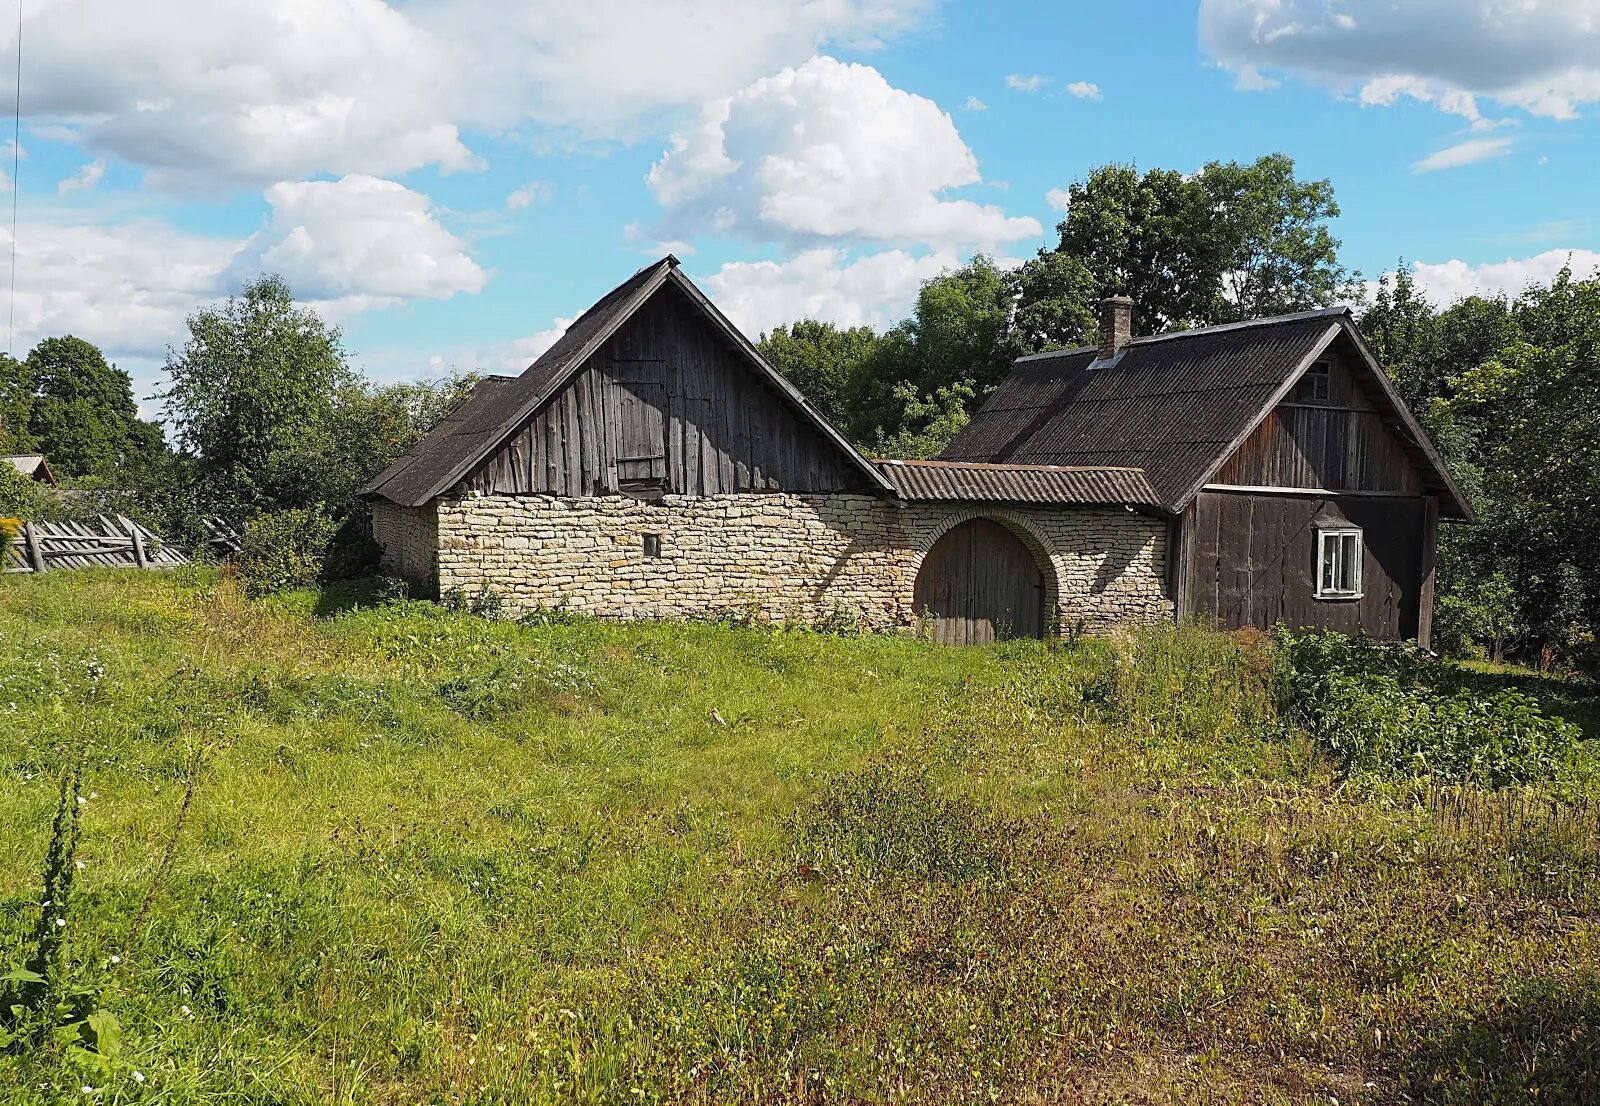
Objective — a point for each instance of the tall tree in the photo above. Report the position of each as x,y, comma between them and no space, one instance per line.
925,373
1147,237
820,359
1230,242
257,378
82,414
1267,233
1056,295
16,407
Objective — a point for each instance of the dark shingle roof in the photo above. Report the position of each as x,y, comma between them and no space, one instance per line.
955,481
1174,405
499,405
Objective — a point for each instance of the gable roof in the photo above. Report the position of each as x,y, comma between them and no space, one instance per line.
32,464
500,405
1176,405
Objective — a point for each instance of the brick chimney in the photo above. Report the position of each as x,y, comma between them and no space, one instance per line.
1116,325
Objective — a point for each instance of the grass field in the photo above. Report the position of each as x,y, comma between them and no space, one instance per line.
429,858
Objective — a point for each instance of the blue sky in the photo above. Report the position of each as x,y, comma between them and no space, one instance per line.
452,179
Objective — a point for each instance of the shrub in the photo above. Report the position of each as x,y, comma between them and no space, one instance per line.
284,549
9,529
22,497
1394,709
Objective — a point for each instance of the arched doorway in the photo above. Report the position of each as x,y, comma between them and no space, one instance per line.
978,584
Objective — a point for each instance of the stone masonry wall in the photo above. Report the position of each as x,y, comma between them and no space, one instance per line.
786,556
409,537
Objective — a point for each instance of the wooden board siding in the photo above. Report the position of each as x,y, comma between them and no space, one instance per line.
1252,562
666,405
1343,444
979,584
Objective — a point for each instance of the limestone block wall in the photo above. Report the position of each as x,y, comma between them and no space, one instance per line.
785,556
409,537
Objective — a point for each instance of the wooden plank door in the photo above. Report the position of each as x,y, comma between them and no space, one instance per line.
640,426
979,584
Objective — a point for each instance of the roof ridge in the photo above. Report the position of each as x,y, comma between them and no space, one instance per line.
1244,324
1195,331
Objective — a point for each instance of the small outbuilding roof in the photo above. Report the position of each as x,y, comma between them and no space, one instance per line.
1177,405
960,481
34,465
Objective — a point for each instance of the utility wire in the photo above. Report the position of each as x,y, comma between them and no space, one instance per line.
16,165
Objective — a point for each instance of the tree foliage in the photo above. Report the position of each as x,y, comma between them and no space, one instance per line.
1510,389
256,380
1230,242
66,402
821,360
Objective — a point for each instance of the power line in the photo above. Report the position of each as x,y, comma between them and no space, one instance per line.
16,185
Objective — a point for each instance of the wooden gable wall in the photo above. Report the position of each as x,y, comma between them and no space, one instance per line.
1248,552
1339,445
667,405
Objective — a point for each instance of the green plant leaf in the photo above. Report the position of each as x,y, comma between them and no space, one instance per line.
106,1031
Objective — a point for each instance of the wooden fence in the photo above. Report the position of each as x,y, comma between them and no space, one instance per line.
110,541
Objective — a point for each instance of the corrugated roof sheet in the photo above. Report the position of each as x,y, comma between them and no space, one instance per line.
1171,405
951,481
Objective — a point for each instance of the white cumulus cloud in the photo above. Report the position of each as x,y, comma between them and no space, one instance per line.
1084,90
239,93
126,288
1464,153
529,194
876,290
359,243
1447,281
1033,82
828,151
86,178
1542,56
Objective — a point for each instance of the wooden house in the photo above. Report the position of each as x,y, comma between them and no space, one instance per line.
652,464
1301,491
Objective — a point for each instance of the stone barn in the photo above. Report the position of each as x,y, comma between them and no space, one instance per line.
652,464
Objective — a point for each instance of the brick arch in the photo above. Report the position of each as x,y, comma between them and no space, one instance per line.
1018,524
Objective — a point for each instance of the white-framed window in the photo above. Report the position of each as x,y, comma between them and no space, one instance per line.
1339,552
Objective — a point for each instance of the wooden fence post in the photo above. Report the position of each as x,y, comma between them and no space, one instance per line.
30,537
140,560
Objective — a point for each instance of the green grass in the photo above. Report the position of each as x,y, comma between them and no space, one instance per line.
433,859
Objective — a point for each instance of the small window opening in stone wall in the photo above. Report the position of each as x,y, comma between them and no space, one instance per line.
652,545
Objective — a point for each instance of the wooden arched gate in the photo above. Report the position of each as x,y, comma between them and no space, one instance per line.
979,584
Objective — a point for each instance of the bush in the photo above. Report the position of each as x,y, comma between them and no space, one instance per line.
22,497
284,549
9,529
1394,709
